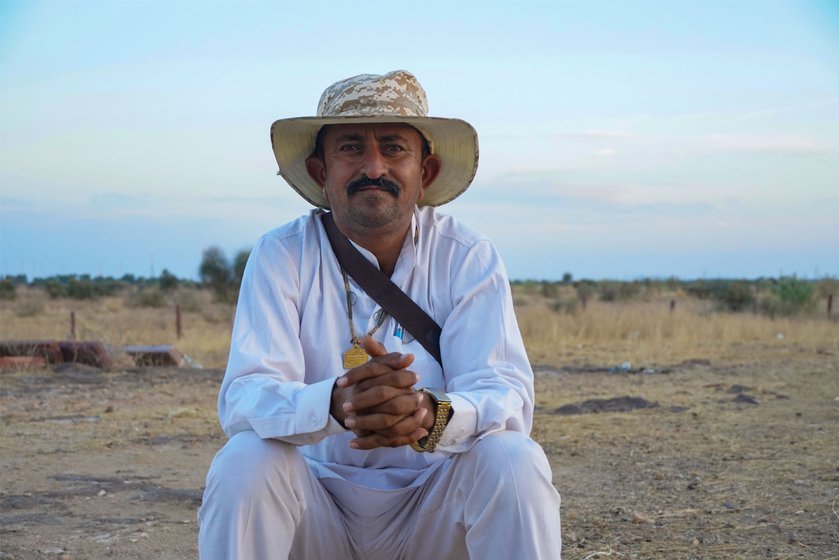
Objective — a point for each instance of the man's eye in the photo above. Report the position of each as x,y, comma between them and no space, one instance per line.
394,148
348,148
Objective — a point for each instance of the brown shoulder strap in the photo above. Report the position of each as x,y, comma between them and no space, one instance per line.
387,294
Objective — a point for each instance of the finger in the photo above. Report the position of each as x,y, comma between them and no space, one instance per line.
403,427
363,401
377,350
403,404
368,370
402,378
407,426
411,424
372,422
373,346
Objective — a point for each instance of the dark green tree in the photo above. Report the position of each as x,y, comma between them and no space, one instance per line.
215,273
168,281
239,263
8,290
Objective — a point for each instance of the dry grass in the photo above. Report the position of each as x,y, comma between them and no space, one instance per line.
643,333
206,325
648,334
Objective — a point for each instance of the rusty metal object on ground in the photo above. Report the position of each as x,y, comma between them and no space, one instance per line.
156,355
22,362
49,350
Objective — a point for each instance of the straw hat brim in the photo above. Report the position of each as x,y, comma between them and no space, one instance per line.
454,140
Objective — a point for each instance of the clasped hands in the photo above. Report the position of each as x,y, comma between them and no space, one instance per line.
378,402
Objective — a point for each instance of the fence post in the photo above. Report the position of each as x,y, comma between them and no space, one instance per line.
72,325
672,305
178,322
829,305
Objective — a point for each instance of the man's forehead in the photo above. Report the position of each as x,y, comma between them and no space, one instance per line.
379,130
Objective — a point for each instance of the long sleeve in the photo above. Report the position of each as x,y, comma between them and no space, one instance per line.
264,388
487,372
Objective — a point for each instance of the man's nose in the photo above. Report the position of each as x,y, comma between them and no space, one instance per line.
373,164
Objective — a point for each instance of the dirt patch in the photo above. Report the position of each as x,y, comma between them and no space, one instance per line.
746,469
737,460
615,404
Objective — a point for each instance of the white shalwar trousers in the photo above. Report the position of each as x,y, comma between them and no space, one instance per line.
496,501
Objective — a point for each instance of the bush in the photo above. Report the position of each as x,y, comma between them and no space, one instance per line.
734,296
78,287
81,289
618,291
215,273
791,297
239,263
222,277
146,297
29,307
585,289
565,306
8,289
168,282
550,290
54,288
827,287
701,289
188,300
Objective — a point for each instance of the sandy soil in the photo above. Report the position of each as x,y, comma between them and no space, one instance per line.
703,460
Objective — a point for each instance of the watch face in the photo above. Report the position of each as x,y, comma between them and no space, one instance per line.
438,396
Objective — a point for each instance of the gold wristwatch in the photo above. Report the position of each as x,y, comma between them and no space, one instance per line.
443,413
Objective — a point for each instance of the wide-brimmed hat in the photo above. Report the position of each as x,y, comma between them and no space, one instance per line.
396,97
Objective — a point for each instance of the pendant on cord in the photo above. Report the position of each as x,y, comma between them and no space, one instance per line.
355,356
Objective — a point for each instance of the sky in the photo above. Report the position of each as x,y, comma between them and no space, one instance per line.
618,140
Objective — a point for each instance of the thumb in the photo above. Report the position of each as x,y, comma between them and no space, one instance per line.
373,346
376,350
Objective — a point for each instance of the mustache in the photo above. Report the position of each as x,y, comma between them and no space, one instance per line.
381,182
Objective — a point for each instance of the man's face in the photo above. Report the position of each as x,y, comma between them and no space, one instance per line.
372,174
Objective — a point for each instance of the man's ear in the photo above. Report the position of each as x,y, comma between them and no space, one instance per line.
316,169
431,165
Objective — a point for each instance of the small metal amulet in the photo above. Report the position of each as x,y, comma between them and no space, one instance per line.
355,356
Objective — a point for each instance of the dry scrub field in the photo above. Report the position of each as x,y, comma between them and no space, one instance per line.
680,435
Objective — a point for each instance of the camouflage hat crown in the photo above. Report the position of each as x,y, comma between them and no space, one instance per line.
396,97
397,93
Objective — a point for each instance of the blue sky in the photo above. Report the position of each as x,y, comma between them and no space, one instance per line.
618,139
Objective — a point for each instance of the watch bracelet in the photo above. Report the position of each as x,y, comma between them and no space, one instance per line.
443,412
440,422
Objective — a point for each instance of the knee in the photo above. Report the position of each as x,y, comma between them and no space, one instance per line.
508,474
247,464
510,457
252,489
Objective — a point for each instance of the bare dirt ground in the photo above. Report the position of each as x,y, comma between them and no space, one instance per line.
703,459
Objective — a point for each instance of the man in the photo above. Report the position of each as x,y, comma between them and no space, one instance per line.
348,439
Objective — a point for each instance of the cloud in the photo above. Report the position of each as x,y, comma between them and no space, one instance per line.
821,105
773,143
600,135
547,199
264,212
562,187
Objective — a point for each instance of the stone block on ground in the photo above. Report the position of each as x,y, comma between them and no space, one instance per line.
49,350
156,355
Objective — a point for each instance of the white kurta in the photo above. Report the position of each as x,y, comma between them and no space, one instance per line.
292,328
